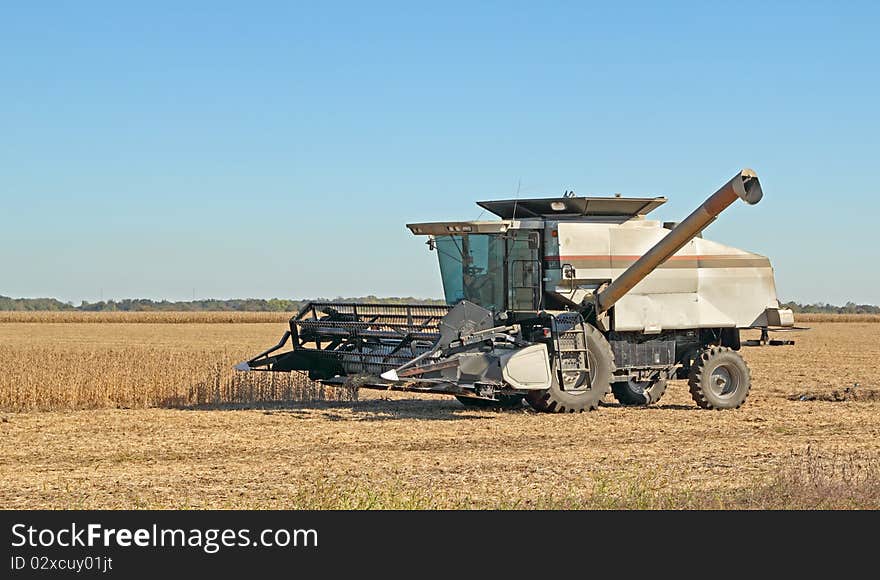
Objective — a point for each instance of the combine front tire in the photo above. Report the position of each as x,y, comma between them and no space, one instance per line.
719,379
634,392
580,391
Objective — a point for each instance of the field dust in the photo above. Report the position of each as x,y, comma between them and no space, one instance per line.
793,444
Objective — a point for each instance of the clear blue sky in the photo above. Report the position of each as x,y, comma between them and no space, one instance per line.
258,149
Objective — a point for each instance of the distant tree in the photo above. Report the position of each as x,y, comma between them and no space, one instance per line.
49,304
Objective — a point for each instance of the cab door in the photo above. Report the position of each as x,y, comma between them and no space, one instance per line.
523,270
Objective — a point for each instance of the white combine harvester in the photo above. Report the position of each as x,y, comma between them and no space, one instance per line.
558,302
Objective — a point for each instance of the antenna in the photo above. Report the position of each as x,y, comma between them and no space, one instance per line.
516,198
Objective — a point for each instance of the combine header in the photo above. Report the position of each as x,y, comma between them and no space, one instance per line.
558,302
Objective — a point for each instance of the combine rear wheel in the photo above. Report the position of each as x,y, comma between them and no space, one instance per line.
580,391
504,402
719,379
634,392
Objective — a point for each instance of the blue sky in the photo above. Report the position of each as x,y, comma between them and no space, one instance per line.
261,149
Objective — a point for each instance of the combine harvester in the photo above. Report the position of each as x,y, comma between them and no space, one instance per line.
559,302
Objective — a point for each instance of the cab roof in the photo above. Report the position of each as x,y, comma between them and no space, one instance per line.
572,207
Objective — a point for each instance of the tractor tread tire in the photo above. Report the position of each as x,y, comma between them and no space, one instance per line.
556,400
706,362
626,397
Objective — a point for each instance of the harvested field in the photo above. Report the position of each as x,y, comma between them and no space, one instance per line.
780,450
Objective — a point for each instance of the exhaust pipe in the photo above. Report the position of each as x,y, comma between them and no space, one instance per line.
744,185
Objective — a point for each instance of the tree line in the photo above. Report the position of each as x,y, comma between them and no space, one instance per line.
208,305
823,308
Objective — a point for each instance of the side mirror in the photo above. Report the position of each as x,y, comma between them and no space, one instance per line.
534,240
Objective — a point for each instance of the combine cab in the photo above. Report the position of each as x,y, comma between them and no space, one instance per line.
559,302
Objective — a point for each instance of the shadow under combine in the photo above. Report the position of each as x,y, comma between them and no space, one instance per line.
365,410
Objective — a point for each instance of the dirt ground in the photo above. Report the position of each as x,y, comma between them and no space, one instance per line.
391,450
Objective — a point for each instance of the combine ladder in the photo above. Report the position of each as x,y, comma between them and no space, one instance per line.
570,345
